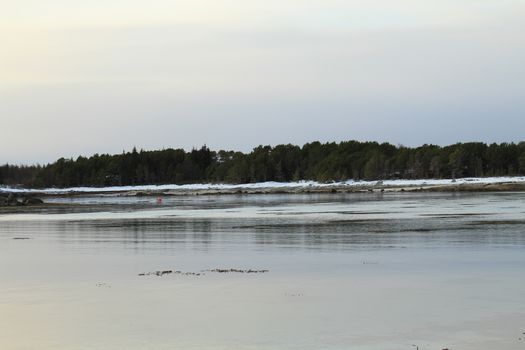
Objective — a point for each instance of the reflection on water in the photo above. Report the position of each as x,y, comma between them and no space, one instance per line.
354,271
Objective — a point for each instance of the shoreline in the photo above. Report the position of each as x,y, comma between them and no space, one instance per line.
511,186
501,187
51,201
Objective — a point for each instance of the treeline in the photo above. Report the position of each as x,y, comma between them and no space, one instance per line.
18,175
313,161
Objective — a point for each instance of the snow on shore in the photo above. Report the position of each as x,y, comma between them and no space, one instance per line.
269,185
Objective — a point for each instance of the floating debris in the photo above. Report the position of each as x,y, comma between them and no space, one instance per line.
21,238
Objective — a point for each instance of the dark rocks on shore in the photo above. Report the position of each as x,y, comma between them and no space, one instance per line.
32,201
12,199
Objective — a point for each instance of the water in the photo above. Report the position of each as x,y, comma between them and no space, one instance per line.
354,271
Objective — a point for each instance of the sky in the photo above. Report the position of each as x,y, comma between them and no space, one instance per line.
101,76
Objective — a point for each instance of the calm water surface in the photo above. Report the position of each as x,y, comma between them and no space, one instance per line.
355,271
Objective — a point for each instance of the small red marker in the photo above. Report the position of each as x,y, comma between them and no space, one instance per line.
159,200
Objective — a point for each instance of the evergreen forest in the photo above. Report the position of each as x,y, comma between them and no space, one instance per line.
322,162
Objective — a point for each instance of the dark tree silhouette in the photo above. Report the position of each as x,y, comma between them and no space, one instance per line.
313,161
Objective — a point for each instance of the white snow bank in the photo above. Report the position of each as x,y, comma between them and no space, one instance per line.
267,185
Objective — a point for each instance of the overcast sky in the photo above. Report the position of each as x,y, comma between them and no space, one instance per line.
81,77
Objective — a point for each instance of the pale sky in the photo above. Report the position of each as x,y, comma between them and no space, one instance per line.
81,77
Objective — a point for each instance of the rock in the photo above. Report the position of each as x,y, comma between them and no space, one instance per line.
33,201
11,200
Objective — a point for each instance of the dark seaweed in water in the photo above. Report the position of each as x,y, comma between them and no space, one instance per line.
237,271
161,273
168,272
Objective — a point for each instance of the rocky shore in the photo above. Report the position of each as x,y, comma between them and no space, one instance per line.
33,197
378,187
14,200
